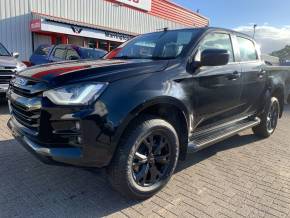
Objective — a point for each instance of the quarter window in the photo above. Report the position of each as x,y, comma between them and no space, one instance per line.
247,49
217,41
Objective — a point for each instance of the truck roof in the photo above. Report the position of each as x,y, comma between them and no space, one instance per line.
215,29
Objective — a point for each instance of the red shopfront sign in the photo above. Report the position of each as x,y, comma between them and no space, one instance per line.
35,25
140,4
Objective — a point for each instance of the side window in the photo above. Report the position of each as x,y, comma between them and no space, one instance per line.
72,54
217,41
59,53
247,49
42,50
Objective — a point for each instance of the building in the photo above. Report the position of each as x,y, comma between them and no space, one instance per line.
25,24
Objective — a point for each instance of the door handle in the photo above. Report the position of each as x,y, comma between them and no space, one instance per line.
234,76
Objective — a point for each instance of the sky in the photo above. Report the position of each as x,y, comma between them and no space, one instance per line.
271,16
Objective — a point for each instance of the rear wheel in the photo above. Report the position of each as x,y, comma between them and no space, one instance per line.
146,158
269,119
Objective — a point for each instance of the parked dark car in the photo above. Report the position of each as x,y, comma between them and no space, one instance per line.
9,65
162,94
47,53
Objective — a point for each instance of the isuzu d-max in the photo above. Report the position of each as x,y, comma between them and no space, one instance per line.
140,109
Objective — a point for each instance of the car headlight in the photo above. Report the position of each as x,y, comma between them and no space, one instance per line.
20,67
77,94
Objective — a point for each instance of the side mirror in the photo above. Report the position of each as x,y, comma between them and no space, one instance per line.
214,57
15,54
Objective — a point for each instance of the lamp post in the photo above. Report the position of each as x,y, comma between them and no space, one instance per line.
255,26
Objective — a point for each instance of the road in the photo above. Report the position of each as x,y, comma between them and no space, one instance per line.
241,177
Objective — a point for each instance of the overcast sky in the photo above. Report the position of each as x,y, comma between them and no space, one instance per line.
271,16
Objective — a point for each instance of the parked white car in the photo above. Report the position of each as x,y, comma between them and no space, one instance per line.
9,65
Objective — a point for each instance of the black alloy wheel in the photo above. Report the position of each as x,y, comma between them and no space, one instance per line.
151,160
146,158
269,119
272,117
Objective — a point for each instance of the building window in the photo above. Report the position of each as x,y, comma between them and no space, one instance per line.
58,40
114,45
103,45
92,43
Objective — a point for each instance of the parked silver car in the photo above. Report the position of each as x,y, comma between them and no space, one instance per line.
9,65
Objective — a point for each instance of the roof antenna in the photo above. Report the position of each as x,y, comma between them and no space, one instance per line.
255,27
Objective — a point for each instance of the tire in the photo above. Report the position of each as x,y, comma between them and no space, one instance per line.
2,99
136,174
269,119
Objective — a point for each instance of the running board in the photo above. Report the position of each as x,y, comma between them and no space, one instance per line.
205,138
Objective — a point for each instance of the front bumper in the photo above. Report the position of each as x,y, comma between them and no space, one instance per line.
3,88
82,156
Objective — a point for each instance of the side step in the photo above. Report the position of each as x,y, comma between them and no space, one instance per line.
205,138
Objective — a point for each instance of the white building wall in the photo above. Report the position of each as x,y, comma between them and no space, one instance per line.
15,34
102,13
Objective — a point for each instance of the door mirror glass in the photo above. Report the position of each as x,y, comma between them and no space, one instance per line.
214,57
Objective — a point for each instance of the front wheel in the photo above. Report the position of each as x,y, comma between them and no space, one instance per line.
146,158
269,119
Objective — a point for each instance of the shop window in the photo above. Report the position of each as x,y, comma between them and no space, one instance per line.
76,40
103,45
58,40
92,43
114,45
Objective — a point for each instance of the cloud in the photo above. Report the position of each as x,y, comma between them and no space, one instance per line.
269,37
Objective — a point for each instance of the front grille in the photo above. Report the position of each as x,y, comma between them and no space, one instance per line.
25,105
6,76
27,90
29,119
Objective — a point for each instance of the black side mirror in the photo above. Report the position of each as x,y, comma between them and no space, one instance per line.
214,57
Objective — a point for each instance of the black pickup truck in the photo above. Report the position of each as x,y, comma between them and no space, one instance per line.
141,108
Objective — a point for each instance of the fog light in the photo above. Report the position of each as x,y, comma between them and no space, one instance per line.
78,126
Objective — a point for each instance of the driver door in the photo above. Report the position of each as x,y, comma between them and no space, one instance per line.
217,89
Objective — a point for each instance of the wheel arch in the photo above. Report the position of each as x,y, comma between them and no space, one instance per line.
167,108
278,92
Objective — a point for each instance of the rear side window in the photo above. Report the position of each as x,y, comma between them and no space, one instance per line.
247,49
217,41
59,53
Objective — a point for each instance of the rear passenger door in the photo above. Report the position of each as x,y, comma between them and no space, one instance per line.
253,74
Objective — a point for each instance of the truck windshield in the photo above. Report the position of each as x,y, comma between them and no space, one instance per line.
158,45
3,51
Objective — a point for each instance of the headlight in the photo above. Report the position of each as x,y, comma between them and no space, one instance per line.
77,94
20,67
